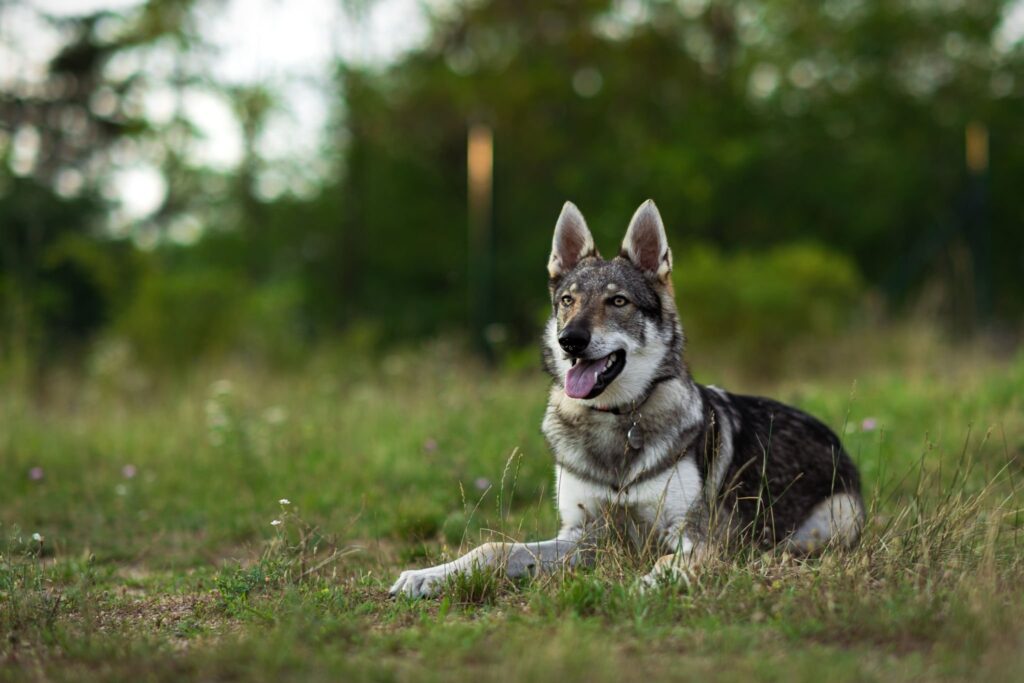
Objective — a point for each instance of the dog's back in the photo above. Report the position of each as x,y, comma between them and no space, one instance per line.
782,465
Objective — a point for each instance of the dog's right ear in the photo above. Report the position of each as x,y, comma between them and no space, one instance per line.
572,242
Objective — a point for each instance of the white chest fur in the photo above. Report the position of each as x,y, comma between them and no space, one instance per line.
661,502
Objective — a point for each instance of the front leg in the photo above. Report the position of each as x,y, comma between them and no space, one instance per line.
680,526
516,559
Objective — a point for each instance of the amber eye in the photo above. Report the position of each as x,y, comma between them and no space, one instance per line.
567,300
620,301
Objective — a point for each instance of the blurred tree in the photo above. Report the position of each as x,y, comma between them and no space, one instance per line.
751,123
836,126
876,96
62,274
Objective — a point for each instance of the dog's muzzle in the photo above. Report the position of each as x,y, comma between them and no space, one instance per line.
588,378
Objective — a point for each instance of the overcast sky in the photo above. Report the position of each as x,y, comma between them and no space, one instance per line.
290,45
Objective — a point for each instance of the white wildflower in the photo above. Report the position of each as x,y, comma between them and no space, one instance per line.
216,416
37,537
276,522
284,501
275,415
221,387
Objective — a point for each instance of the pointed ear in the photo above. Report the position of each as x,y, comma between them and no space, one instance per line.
645,243
572,242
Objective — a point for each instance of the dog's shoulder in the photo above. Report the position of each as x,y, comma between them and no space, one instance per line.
774,442
768,419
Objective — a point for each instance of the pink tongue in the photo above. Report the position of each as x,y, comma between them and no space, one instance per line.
582,377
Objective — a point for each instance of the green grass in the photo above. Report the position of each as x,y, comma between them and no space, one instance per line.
158,560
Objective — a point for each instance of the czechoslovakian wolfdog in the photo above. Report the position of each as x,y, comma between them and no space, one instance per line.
635,439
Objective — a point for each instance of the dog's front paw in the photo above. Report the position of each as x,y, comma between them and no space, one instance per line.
673,570
419,583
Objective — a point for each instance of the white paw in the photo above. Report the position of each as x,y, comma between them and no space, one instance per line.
666,574
420,583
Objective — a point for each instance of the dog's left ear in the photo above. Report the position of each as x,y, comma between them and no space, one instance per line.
645,243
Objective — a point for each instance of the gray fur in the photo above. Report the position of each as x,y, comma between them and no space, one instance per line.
765,465
517,559
713,469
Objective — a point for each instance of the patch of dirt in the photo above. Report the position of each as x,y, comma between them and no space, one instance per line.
899,645
187,617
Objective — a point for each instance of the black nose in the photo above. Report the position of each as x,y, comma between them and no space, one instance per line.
574,340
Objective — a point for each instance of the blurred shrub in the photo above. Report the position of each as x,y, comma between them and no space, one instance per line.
272,323
753,304
178,316
61,280
81,282
748,306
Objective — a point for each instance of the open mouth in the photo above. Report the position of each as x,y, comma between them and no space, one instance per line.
588,378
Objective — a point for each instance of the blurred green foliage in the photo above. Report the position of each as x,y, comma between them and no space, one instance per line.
177,316
756,302
760,128
58,283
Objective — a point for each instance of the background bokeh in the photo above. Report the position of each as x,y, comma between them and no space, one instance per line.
191,179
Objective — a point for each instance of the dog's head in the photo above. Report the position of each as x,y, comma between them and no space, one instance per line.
613,329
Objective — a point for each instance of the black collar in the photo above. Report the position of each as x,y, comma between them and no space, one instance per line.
622,410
